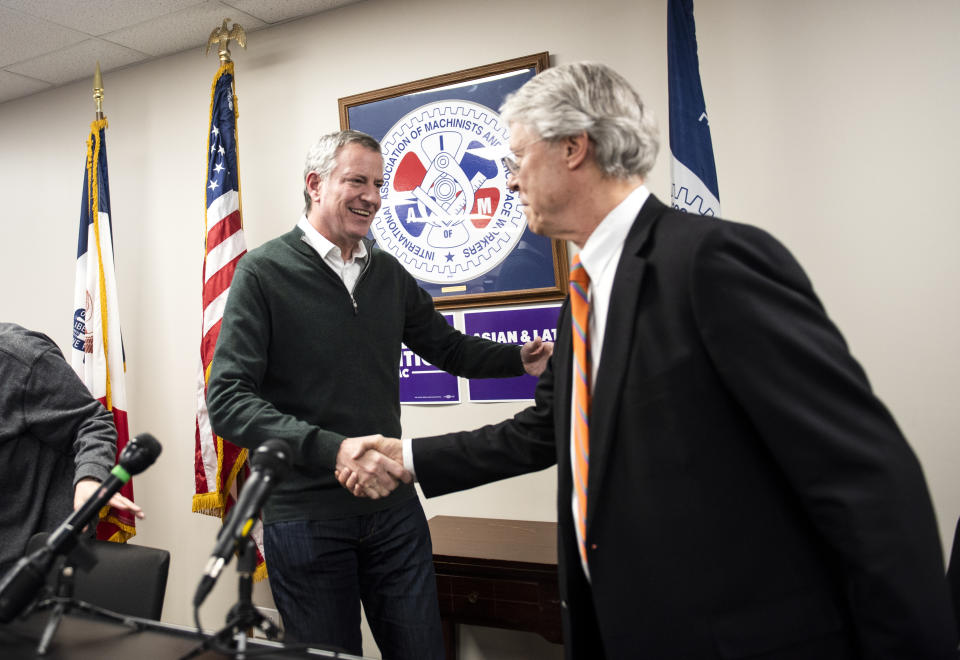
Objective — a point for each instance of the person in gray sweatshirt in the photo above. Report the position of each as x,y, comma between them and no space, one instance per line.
57,443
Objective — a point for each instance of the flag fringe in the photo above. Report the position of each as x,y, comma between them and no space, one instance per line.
238,465
124,531
93,201
211,504
118,537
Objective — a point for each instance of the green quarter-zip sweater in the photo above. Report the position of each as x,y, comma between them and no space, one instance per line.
300,359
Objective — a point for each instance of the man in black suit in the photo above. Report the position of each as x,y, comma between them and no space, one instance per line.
747,494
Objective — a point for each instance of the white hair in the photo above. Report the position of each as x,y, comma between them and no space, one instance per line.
586,96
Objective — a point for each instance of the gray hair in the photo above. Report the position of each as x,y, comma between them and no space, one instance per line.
591,97
322,157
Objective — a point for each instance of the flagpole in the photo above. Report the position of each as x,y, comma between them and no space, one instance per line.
220,467
98,91
97,347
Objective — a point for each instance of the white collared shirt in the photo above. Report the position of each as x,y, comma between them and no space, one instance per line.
348,271
600,256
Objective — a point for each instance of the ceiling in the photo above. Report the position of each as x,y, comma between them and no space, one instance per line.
46,43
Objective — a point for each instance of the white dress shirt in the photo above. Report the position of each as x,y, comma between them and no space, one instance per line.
600,256
348,271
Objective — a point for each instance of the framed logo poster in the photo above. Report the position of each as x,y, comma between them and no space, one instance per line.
446,213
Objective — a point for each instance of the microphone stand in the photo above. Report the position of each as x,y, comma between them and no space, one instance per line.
64,594
62,600
243,616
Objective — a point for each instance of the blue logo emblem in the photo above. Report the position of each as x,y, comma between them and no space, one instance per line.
446,213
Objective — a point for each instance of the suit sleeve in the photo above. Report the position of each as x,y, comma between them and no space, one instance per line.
458,461
238,411
837,445
428,334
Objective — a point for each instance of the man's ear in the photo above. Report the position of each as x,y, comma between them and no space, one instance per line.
575,149
314,184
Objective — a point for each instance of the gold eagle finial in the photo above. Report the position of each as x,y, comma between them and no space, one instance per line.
222,36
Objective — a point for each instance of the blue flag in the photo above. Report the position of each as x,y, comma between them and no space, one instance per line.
692,170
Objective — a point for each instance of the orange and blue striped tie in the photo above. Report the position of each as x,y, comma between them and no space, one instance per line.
580,311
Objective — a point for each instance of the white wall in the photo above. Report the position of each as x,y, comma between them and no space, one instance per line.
833,126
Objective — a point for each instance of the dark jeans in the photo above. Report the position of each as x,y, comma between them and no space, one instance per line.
321,570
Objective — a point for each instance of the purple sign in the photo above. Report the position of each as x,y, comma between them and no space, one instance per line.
510,326
421,382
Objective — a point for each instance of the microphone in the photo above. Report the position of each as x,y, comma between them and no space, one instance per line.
267,465
23,581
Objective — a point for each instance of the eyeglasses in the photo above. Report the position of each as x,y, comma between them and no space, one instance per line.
513,162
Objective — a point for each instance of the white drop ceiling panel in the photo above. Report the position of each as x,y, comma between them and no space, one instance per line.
44,43
276,12
73,62
96,17
189,28
24,36
14,86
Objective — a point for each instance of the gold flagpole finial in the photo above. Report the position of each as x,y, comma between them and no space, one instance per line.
98,91
222,36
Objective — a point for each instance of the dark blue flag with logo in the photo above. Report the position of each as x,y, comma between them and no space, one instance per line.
692,171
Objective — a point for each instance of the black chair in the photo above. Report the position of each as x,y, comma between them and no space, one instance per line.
129,579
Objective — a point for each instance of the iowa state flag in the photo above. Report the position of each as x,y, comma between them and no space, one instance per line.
692,170
220,466
97,348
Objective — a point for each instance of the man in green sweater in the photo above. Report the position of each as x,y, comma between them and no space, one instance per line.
308,353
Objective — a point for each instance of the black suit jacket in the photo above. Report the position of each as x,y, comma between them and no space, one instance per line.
749,496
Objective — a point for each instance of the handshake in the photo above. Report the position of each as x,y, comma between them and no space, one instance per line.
371,466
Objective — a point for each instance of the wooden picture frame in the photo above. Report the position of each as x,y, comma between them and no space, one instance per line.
446,212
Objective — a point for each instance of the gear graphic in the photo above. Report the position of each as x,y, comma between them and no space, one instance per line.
446,213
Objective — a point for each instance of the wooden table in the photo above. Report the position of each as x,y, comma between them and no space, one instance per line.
500,573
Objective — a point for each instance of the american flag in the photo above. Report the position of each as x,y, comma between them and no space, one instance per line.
218,463
97,349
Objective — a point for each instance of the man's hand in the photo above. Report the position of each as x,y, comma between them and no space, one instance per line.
535,354
371,466
85,489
